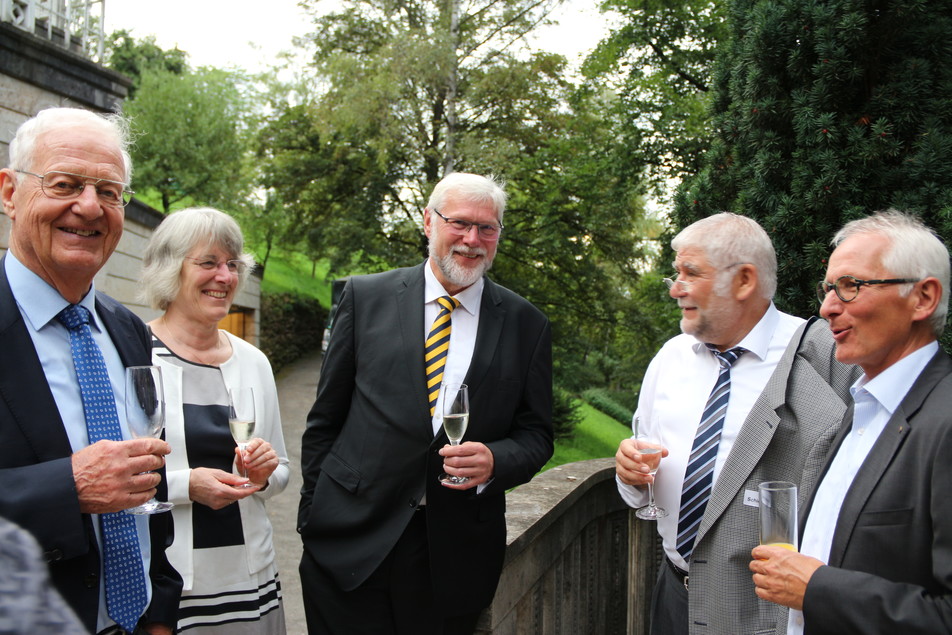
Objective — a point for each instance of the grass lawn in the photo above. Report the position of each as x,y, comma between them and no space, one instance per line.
597,436
291,273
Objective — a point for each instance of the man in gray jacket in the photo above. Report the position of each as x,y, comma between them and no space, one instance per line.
742,396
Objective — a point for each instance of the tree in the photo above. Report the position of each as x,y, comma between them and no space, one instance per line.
659,60
133,57
190,146
403,95
825,112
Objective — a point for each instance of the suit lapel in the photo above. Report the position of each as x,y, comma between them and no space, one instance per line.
23,385
888,444
491,318
753,439
410,312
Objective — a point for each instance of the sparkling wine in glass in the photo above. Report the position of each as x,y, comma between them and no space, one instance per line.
241,422
648,439
145,416
454,399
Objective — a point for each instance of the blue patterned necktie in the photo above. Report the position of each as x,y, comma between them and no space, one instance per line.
699,476
437,348
122,560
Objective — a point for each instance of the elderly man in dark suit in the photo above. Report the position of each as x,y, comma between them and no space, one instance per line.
876,546
388,548
64,193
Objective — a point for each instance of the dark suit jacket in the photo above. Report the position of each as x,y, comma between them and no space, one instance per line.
369,453
38,491
890,568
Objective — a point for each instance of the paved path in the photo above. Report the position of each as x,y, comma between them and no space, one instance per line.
297,386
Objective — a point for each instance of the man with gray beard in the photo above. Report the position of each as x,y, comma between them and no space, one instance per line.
745,394
388,546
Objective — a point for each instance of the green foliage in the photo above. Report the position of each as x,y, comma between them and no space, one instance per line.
597,436
565,413
133,57
291,325
189,146
601,400
825,112
659,61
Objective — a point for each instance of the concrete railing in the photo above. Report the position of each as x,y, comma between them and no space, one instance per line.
578,561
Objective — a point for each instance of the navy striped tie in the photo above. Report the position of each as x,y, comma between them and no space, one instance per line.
699,476
437,348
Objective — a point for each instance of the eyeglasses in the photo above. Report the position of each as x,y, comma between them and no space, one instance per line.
210,264
462,227
686,284
847,287
67,186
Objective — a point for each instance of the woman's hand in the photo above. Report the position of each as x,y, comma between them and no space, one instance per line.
261,461
216,488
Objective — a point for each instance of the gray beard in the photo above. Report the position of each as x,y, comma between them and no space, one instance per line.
457,275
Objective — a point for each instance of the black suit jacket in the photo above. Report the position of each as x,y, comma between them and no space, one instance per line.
38,491
890,568
369,452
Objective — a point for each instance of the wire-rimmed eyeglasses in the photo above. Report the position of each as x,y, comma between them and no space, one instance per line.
686,284
210,264
462,227
847,287
67,186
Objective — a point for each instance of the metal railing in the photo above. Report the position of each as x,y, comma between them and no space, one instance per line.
76,25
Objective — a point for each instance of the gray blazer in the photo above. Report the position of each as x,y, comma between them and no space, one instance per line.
786,437
891,558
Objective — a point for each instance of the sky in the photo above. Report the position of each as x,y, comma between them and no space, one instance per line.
249,34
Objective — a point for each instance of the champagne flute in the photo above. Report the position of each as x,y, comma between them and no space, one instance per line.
145,416
241,422
455,404
648,439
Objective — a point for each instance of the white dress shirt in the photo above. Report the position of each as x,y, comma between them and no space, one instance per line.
463,334
39,304
875,402
673,394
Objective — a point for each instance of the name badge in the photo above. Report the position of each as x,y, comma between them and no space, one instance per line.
752,498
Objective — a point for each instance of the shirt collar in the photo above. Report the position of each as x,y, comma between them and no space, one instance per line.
757,340
892,385
469,297
45,302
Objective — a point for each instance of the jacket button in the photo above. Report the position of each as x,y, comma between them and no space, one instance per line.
53,555
413,503
91,580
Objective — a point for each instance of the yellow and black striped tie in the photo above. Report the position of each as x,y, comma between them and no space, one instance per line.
437,347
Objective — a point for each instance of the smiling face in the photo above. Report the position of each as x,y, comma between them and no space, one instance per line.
880,326
205,295
459,260
65,242
706,313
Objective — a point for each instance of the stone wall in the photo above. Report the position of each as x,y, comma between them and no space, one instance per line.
577,562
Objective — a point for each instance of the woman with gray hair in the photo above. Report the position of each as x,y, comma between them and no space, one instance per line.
194,267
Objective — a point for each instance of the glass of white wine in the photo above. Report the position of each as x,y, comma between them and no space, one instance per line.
145,416
650,443
455,407
241,421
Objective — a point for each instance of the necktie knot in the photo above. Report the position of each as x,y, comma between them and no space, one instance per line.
73,316
448,303
728,357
